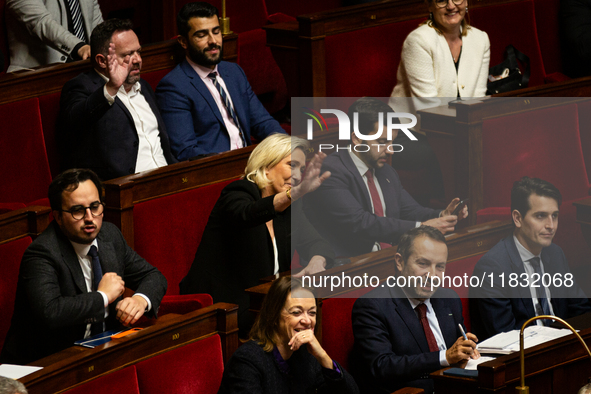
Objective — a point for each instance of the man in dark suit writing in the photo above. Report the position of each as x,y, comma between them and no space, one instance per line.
72,276
404,333
527,253
363,207
207,104
111,111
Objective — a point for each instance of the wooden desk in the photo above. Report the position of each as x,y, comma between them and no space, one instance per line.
50,79
76,365
30,221
559,366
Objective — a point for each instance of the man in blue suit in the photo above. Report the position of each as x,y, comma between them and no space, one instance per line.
527,254
207,104
402,334
363,207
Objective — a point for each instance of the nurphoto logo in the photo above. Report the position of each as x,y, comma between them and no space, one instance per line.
391,123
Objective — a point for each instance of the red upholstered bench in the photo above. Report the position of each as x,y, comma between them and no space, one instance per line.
160,239
24,168
49,106
193,368
123,381
511,23
544,144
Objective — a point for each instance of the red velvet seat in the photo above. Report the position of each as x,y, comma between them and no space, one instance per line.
49,107
194,368
371,69
544,144
511,23
162,242
123,381
155,76
457,269
24,168
10,206
547,21
11,254
337,329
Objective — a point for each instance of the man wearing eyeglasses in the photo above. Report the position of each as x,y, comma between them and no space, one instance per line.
72,277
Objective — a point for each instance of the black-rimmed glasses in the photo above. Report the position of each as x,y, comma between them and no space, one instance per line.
443,3
78,211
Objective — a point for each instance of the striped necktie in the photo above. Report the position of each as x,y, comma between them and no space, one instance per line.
77,22
227,104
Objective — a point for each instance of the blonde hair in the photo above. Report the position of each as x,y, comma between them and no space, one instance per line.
269,153
465,25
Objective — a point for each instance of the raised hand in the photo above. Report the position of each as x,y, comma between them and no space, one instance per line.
117,71
312,178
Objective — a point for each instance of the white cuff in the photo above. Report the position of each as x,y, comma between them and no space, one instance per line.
110,99
418,224
443,359
149,307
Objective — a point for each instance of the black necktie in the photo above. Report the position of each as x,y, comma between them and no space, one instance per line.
227,104
542,308
97,271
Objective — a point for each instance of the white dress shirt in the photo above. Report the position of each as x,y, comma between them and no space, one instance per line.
86,265
234,133
526,256
149,153
362,168
434,324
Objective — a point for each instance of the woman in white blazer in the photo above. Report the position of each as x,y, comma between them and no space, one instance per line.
444,57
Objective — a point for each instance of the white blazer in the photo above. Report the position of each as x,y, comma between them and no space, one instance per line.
38,31
427,69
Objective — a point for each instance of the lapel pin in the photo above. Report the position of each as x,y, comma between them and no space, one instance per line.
388,180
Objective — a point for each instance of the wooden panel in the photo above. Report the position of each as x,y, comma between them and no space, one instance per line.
77,365
50,79
30,221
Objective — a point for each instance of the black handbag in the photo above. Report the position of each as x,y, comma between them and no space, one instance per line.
515,80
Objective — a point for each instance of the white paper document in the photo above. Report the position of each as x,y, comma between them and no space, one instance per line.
473,364
508,342
17,371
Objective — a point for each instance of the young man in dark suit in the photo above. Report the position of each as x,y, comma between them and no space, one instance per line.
111,111
72,277
363,207
507,304
208,104
404,333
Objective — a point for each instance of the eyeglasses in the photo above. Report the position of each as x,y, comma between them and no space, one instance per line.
443,3
78,212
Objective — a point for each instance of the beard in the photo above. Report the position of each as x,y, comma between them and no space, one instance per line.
201,58
132,79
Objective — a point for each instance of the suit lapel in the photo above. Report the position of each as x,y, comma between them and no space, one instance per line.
199,85
70,259
446,320
410,319
517,267
359,183
387,191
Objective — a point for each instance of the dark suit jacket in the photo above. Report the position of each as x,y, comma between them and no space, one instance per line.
340,208
236,249
504,308
52,305
252,370
194,122
93,134
391,349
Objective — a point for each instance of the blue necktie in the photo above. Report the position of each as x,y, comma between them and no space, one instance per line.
97,271
542,308
227,104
